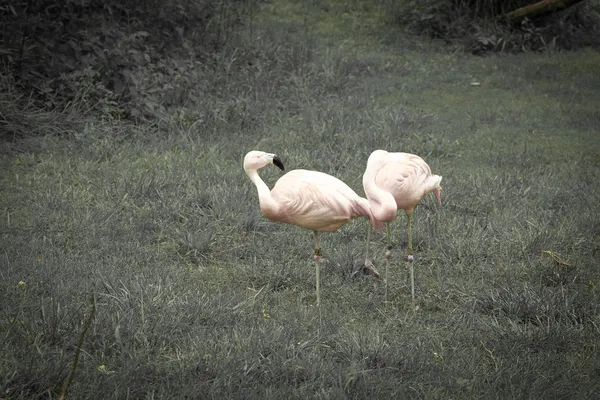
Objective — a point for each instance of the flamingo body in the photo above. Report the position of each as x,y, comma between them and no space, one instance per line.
404,176
316,201
394,181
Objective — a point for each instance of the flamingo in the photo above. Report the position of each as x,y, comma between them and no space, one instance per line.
394,181
309,199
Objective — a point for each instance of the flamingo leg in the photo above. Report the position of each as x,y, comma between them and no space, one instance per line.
411,258
318,267
368,243
368,268
388,255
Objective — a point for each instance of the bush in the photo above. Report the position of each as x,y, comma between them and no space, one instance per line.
479,27
122,57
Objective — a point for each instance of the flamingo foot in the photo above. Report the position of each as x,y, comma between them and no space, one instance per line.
369,269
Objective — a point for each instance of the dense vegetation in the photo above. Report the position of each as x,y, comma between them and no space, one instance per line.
134,60
480,26
122,192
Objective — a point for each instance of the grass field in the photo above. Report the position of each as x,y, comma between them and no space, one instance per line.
197,295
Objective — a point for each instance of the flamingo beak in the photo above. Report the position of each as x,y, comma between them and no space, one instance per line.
438,195
277,162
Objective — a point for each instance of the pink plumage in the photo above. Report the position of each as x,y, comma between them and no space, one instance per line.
394,181
316,201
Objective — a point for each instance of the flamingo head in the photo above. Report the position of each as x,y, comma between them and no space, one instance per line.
255,160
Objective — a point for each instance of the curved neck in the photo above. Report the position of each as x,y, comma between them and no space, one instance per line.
268,205
383,204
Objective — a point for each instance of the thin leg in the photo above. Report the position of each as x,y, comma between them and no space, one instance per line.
368,243
368,268
411,258
388,255
318,263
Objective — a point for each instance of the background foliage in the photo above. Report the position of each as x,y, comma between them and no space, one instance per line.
126,59
477,26
134,60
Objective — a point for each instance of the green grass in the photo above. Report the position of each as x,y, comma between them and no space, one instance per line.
198,295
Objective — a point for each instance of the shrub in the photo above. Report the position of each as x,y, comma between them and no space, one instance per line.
121,57
479,27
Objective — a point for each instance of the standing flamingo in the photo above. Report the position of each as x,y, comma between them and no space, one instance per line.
309,199
394,181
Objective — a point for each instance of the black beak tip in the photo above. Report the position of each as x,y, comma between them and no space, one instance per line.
277,162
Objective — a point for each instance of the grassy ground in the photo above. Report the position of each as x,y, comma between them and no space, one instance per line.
197,295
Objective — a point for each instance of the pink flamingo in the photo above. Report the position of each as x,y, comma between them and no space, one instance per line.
394,181
309,199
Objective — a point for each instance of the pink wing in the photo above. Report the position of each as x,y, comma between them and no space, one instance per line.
406,177
317,201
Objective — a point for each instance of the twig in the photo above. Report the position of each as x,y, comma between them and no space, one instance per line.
86,325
